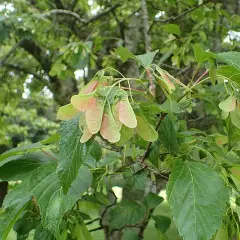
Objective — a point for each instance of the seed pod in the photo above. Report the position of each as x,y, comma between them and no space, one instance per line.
82,102
228,105
86,134
115,113
94,115
126,113
67,112
166,80
90,87
109,128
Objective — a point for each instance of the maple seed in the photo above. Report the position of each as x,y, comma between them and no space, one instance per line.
86,134
90,87
109,129
126,113
66,112
82,102
94,115
228,105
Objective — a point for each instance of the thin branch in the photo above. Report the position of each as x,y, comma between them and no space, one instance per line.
96,229
94,18
66,12
18,68
92,221
206,72
130,15
174,18
145,26
105,210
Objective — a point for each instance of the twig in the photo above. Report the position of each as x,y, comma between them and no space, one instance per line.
174,18
206,72
66,12
105,210
92,221
95,229
101,14
145,25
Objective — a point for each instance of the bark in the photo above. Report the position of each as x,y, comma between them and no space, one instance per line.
62,89
146,26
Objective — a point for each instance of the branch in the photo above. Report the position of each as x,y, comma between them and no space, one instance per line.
95,229
145,25
18,68
101,14
66,12
92,221
174,18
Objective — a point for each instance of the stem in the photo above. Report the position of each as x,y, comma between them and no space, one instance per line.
206,72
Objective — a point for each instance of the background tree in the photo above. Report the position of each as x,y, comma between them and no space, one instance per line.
51,49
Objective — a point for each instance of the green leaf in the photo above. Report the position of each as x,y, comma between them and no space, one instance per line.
145,130
130,234
25,224
22,166
126,213
147,58
20,150
168,136
126,135
80,232
152,200
124,53
138,180
44,185
162,222
222,233
67,112
172,28
231,58
229,72
96,151
212,75
235,118
42,233
9,216
201,55
197,197
72,152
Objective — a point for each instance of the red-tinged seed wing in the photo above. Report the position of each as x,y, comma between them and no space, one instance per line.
81,102
228,105
115,113
94,115
109,129
90,87
145,130
126,113
86,134
67,112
